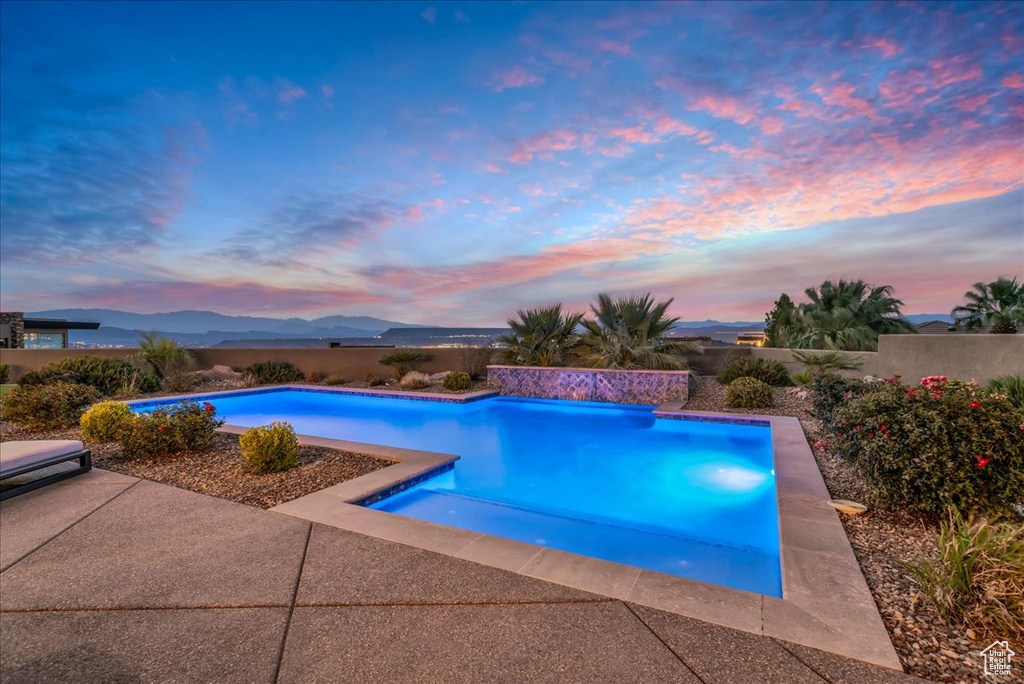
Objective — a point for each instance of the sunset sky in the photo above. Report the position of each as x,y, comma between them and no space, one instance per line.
449,163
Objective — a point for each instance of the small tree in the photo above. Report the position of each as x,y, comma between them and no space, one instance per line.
540,337
402,360
779,321
631,333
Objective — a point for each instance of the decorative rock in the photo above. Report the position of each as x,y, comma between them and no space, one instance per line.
438,378
219,373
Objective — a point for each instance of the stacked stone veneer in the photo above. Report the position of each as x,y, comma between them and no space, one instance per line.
585,384
14,328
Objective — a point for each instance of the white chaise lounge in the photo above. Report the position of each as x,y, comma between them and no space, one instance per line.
18,458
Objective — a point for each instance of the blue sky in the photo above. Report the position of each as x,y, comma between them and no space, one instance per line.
451,162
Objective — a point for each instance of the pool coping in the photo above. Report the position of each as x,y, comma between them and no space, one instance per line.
826,602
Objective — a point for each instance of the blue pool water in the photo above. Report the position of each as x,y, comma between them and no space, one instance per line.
695,499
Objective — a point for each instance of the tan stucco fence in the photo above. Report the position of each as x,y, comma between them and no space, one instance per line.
980,357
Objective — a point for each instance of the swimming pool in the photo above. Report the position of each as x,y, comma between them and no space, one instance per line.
689,498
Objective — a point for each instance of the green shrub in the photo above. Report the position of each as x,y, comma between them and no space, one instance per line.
1010,386
271,448
5,373
977,578
942,443
373,381
415,380
457,381
402,360
186,426
748,392
48,407
103,422
829,392
803,377
825,361
108,376
767,371
272,373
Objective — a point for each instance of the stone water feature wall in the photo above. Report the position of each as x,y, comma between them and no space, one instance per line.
587,384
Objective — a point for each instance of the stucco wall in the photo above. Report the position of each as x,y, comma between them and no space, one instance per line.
350,362
965,357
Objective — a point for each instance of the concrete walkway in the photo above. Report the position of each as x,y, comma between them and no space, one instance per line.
106,578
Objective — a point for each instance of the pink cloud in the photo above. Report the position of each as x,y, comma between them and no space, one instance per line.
666,125
954,70
723,107
887,47
543,145
289,92
1014,81
613,46
841,95
635,134
771,125
518,77
970,104
493,168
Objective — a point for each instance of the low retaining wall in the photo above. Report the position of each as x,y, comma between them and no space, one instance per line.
588,384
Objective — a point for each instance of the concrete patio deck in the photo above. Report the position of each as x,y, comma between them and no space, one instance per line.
106,578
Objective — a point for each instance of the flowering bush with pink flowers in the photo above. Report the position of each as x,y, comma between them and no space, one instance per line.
940,443
186,426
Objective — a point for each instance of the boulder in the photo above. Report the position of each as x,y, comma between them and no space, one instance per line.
219,373
438,378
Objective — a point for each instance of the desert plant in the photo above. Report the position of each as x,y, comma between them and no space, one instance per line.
631,333
998,305
766,370
748,392
540,337
163,355
51,406
5,373
803,377
457,381
103,422
334,382
474,360
828,361
847,315
270,448
977,577
402,360
940,443
185,426
415,380
272,373
181,381
108,376
1009,386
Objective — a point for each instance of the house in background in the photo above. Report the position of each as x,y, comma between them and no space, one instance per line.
18,332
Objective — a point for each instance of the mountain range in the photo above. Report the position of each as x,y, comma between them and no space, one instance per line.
207,328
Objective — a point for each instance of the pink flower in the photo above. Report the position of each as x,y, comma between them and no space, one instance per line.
982,462
975,404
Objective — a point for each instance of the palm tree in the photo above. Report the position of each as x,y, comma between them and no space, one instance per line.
631,333
997,305
540,337
847,315
163,355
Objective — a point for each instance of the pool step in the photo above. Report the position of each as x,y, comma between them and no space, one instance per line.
745,569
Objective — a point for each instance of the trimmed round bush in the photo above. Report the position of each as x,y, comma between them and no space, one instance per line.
457,381
270,448
940,443
767,371
415,380
48,407
103,422
108,376
747,392
186,426
273,373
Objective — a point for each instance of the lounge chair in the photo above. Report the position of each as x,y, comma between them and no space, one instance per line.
18,458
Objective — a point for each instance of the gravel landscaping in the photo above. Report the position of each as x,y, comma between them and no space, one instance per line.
221,471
